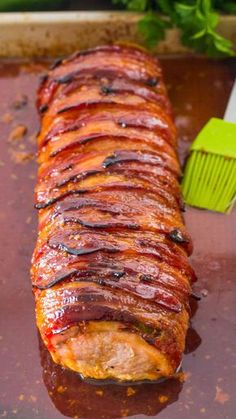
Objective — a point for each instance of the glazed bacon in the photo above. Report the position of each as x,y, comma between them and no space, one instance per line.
111,260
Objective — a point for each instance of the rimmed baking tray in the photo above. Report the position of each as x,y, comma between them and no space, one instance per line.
31,385
58,33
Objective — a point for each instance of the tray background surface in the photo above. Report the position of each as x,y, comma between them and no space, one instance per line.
198,89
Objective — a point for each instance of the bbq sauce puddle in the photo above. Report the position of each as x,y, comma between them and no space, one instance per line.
104,399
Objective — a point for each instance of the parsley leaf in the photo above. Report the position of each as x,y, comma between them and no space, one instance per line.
197,20
153,28
135,5
198,24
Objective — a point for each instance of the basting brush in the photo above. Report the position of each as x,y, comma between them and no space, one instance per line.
210,174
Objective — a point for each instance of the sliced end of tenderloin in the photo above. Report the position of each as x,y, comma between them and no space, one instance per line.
89,329
105,350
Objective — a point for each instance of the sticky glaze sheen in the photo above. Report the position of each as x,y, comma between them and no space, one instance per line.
21,383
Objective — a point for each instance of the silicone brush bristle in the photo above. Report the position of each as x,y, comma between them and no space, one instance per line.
210,174
210,182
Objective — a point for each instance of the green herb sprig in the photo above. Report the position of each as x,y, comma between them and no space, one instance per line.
196,19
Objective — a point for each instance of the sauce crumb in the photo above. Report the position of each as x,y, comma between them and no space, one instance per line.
130,391
20,102
163,399
61,389
21,156
124,413
99,392
7,118
221,397
183,376
17,132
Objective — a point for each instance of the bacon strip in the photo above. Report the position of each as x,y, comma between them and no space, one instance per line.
112,249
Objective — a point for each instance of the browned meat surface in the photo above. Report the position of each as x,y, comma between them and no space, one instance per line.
110,270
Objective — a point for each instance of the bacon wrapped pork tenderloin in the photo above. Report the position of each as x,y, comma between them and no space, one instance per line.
110,270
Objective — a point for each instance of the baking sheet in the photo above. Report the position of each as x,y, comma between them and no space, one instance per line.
31,385
58,33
